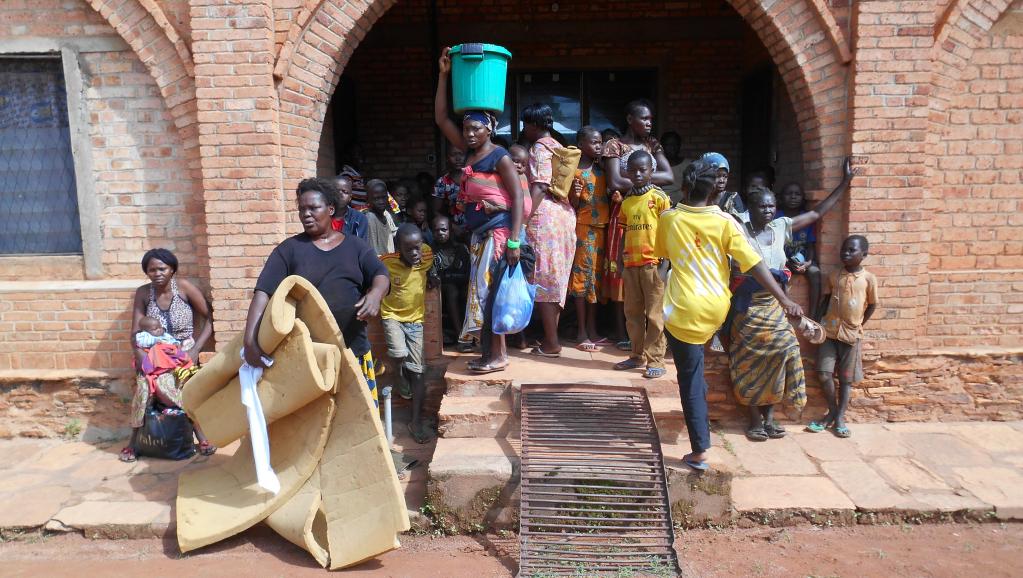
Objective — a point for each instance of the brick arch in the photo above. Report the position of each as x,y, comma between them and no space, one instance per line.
157,44
145,27
805,43
963,25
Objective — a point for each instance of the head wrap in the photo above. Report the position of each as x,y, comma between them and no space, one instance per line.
481,116
717,160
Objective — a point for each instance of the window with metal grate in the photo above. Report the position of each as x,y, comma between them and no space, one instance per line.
38,196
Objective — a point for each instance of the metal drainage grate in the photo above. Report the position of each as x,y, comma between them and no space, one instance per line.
594,492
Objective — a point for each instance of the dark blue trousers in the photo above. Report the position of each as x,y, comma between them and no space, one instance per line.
692,388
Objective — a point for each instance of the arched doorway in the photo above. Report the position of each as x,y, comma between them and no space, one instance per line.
802,43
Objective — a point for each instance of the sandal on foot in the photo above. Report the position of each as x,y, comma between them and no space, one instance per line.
817,426
654,372
602,342
842,432
774,431
541,353
420,436
628,364
465,347
128,455
698,466
624,345
480,366
587,346
756,434
206,448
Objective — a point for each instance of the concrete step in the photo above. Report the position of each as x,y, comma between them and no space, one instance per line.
474,484
494,416
573,366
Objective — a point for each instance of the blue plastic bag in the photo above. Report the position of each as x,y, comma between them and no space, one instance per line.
513,304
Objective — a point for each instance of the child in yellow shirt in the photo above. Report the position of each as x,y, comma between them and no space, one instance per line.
699,238
412,272
644,288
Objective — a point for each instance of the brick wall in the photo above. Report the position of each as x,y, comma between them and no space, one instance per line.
67,327
929,113
146,198
977,248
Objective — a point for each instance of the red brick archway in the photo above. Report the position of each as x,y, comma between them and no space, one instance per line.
154,40
805,43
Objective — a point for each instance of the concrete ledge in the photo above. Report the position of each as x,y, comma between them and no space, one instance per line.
67,286
473,485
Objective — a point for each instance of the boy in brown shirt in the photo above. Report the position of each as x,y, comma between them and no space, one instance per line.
849,301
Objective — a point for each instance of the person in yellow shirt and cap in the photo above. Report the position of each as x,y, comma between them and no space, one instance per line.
698,239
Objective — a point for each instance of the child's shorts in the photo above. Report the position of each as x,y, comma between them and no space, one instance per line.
405,341
846,357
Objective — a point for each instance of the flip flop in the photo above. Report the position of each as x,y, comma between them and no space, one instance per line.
654,372
587,346
602,341
698,466
757,434
541,353
128,455
481,368
774,431
207,449
624,345
816,426
842,432
629,363
419,435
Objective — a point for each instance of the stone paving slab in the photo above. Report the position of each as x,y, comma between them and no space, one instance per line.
908,468
788,493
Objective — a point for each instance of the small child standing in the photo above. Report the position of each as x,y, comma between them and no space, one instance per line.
644,288
403,310
452,260
849,302
381,223
593,211
417,216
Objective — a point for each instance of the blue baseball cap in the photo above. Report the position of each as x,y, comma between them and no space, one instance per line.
716,160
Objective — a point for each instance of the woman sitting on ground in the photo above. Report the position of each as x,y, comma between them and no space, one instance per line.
179,306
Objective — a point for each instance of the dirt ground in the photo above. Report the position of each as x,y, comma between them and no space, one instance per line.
988,550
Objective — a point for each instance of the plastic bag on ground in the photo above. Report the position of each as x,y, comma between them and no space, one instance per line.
513,304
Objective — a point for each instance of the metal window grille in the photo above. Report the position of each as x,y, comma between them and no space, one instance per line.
38,196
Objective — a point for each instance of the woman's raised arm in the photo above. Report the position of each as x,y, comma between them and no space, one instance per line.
441,115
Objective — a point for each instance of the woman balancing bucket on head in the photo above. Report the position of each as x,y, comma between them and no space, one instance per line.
494,204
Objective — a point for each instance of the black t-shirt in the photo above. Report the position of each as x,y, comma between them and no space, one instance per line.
342,275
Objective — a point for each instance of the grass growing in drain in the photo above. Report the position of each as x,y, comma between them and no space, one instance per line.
72,429
586,512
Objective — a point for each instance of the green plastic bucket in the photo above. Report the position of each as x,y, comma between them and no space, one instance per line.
478,76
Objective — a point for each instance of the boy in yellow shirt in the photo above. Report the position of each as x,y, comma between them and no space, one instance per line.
412,272
644,288
698,238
